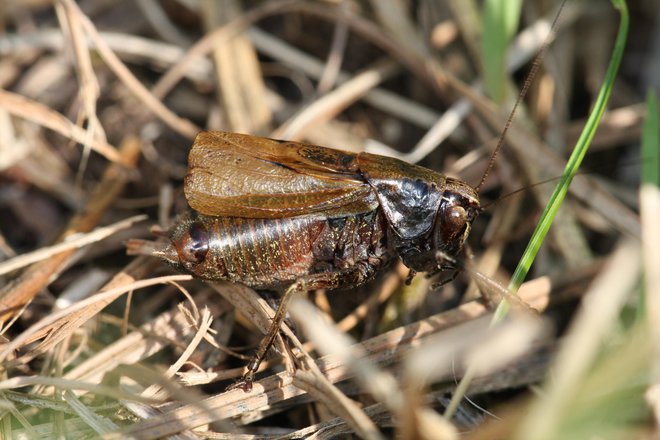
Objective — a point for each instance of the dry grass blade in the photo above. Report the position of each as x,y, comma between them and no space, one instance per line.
60,325
20,382
382,350
322,390
239,75
332,66
132,348
100,425
81,350
388,288
464,344
600,307
42,115
218,37
529,146
204,325
183,126
526,45
334,102
381,98
330,342
89,86
21,290
72,242
171,328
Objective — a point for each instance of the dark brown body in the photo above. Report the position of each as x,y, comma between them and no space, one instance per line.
272,214
268,213
274,253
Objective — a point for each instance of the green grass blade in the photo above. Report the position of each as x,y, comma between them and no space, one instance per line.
560,191
651,142
500,20
650,176
574,161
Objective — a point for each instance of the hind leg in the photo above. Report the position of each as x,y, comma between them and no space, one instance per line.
355,275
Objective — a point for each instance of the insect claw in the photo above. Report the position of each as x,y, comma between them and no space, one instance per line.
245,383
410,277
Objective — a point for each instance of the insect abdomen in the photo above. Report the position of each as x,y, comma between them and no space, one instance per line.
260,252
272,253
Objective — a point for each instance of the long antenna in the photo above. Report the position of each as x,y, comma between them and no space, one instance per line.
527,84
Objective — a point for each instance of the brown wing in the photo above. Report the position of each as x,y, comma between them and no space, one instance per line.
231,174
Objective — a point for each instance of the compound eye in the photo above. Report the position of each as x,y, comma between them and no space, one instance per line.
197,244
456,217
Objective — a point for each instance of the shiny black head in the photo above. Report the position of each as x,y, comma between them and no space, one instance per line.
458,207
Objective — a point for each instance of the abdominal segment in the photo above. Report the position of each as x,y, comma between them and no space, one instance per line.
273,253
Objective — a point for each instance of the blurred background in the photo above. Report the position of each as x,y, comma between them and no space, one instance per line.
100,101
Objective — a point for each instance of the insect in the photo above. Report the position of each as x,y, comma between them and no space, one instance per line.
284,215
274,214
